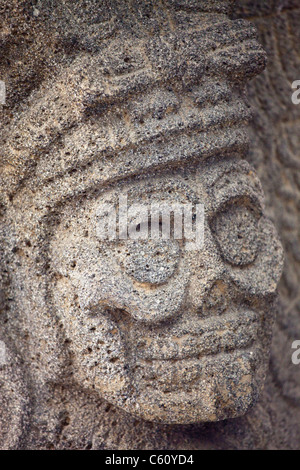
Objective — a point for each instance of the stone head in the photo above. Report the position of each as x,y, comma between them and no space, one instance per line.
164,329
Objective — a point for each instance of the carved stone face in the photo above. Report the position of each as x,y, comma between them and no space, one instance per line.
166,333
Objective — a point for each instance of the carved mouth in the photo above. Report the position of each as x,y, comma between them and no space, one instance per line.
191,350
189,336
196,349
168,375
196,338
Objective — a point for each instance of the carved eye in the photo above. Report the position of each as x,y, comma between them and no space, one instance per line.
236,231
149,261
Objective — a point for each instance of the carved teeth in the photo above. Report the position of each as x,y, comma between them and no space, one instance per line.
204,338
174,375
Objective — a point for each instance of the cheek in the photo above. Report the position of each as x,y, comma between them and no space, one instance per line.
151,280
95,343
100,279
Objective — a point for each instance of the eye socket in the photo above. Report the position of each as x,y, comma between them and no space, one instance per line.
149,261
236,231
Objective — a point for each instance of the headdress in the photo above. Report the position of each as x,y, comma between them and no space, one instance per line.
140,104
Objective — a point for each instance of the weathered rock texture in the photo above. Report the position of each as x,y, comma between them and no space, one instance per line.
147,98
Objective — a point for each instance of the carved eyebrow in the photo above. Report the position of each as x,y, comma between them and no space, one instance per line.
233,187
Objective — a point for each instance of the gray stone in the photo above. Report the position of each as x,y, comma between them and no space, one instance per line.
139,343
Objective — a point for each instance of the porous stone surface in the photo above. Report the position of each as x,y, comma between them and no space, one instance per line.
145,344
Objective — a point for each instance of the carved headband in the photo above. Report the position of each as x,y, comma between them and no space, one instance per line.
156,102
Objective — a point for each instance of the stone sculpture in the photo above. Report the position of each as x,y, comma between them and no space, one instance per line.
158,113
